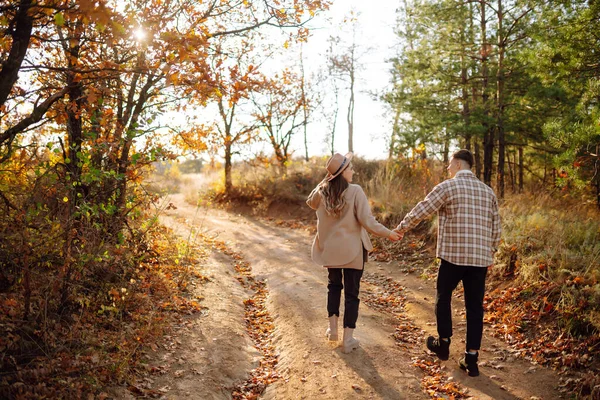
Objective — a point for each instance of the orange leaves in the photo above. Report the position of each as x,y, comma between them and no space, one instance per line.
259,325
579,280
194,139
10,307
529,318
92,96
435,383
174,78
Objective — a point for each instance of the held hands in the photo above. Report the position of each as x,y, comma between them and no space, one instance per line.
396,235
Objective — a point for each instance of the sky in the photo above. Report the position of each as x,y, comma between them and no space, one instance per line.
376,22
372,122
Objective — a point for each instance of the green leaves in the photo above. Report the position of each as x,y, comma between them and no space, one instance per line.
59,19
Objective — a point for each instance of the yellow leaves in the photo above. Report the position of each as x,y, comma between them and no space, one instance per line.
286,44
77,78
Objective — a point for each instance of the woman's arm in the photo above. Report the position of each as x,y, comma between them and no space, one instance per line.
362,211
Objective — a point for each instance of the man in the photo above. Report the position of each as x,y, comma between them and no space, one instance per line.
468,236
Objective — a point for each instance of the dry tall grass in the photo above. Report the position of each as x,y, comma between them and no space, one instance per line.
557,239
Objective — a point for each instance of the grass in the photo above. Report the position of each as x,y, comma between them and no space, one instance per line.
562,235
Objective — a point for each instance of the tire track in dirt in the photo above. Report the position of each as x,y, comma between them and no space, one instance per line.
208,353
259,325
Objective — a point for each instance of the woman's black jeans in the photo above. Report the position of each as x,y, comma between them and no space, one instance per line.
351,285
473,279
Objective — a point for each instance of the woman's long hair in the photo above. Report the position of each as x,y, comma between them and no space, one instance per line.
332,193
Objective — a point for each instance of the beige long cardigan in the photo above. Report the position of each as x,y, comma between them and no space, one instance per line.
339,241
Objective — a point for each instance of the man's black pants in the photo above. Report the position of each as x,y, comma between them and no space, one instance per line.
473,279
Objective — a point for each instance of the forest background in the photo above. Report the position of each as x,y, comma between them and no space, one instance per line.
91,99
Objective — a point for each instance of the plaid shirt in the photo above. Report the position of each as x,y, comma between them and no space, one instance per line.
469,223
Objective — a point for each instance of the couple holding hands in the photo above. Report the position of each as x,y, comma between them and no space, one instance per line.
468,236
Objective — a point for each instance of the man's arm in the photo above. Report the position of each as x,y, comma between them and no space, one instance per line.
426,208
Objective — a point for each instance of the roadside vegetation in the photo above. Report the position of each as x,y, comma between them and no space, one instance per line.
74,323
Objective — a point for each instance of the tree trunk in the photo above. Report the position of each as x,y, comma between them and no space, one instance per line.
597,177
350,115
466,112
333,125
477,159
500,98
20,31
228,184
395,132
74,107
488,146
304,108
511,165
446,154
474,93
26,276
520,169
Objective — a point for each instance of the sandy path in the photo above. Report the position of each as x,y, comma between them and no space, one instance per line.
310,366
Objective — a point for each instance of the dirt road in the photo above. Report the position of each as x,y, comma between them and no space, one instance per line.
212,353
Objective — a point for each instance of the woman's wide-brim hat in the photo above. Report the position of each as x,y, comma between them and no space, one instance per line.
337,164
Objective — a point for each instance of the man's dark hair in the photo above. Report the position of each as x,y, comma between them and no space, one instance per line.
464,155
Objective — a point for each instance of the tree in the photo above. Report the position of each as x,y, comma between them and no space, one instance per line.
430,76
344,61
304,103
280,108
234,79
568,74
447,70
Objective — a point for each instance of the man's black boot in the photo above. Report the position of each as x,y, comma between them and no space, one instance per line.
469,363
440,347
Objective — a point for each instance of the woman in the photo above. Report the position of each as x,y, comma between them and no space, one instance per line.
341,244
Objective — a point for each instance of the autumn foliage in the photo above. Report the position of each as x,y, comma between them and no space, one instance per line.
87,279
